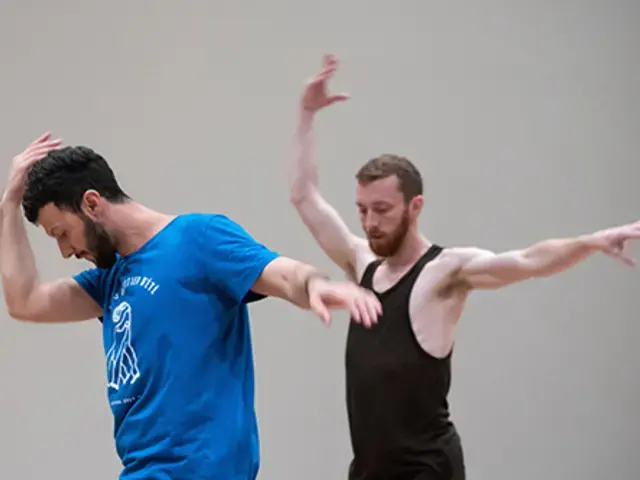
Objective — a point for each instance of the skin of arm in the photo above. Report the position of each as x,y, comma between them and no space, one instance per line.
289,280
325,224
25,296
307,288
482,269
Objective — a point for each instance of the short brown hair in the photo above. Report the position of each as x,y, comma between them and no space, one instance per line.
383,166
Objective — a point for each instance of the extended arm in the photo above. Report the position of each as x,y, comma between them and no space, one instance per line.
25,296
307,288
287,279
485,270
239,266
346,250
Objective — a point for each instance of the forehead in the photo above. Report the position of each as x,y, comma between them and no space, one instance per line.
51,218
384,189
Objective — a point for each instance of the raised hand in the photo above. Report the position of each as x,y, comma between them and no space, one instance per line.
363,305
613,241
315,95
23,162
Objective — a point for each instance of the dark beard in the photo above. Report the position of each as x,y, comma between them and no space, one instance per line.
99,244
389,246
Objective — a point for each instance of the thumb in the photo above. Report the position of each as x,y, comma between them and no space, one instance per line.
338,97
618,252
318,307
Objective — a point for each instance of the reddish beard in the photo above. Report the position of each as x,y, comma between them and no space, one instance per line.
389,244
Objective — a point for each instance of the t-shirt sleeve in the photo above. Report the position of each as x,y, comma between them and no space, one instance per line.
93,282
232,258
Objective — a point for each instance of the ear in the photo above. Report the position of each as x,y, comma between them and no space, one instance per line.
91,202
416,205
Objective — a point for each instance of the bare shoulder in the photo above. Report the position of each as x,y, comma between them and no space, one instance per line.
463,254
456,256
440,275
362,257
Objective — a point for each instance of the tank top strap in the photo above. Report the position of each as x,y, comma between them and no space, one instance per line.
432,252
367,276
410,277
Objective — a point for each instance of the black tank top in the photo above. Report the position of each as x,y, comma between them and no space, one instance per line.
396,392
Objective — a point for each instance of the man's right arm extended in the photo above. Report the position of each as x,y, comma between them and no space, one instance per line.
26,297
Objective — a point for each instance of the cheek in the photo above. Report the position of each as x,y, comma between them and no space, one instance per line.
390,220
78,240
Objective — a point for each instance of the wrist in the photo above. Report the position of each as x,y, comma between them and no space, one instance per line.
313,279
591,241
306,113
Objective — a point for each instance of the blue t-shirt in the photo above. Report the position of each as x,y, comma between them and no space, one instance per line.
179,360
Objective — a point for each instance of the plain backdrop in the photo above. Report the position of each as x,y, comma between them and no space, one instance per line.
523,117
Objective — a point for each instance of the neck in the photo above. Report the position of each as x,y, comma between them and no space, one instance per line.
132,225
413,247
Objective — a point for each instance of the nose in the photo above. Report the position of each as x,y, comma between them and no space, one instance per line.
370,222
65,251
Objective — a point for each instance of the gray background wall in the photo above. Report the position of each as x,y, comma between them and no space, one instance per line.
523,117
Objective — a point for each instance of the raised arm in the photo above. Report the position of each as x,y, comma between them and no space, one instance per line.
349,252
481,269
25,296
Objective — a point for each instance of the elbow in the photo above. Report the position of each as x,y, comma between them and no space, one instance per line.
530,266
299,195
303,187
21,310
16,307
296,197
19,314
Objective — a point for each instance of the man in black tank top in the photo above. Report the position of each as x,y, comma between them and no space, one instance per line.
397,393
398,373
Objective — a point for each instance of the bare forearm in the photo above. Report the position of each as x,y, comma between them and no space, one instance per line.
288,279
298,284
322,220
556,255
17,262
304,173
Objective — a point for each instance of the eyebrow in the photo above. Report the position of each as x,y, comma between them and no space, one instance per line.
377,203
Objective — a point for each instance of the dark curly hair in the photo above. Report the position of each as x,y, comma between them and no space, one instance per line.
63,177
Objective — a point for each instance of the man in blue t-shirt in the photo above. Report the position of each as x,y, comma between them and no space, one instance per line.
172,295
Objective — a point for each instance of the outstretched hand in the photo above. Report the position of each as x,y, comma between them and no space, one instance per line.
316,96
363,305
613,242
23,162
